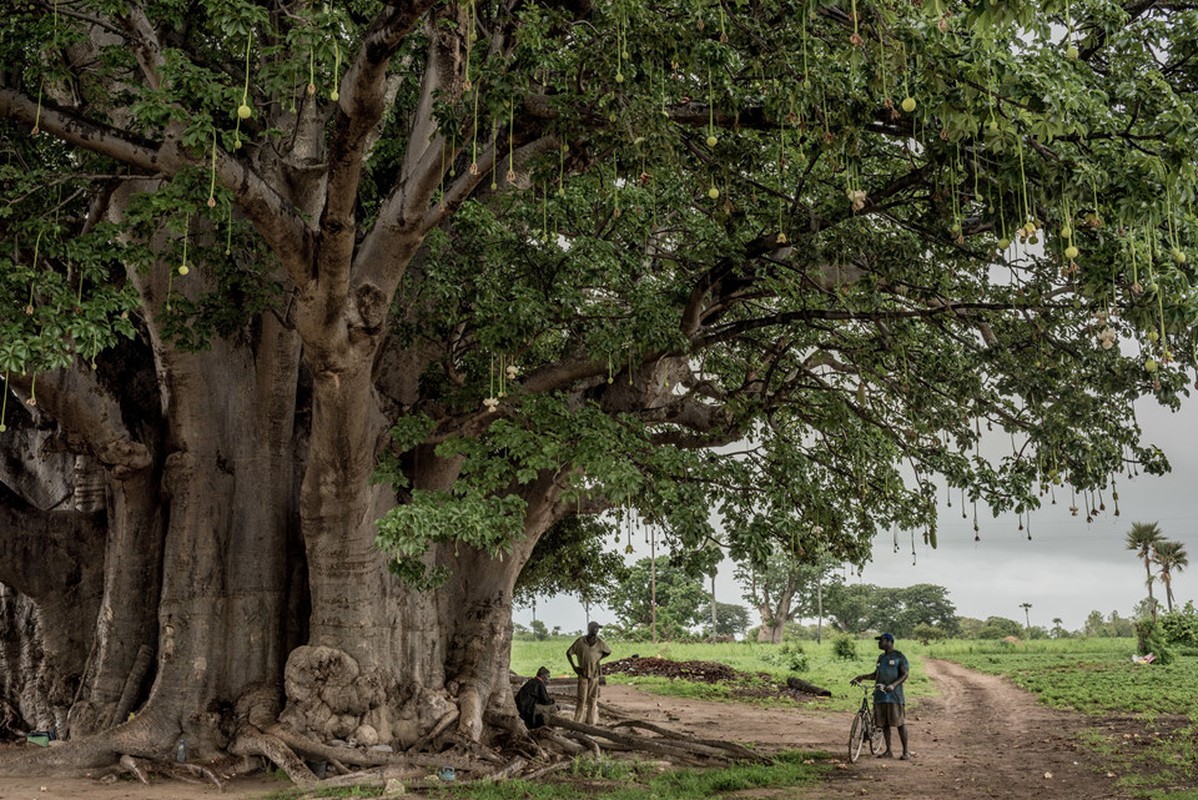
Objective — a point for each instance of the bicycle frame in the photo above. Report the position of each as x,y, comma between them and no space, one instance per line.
863,729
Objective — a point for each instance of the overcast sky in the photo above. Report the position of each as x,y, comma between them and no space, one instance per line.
1066,570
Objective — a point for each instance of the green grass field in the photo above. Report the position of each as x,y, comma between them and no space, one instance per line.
824,667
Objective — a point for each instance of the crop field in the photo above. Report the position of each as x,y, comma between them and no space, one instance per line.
1087,675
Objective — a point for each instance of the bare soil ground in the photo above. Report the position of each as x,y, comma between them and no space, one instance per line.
981,737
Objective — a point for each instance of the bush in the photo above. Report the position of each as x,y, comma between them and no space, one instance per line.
845,646
1180,627
925,633
790,657
1150,638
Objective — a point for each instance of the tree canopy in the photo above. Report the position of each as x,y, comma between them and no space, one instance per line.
665,603
371,295
862,607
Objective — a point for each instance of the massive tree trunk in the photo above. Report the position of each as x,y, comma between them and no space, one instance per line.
403,658
194,605
238,510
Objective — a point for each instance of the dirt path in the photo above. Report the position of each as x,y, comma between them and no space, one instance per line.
981,737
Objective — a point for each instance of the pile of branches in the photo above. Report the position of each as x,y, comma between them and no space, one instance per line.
697,671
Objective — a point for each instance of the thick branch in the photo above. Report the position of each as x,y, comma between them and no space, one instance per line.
145,44
90,417
107,140
359,110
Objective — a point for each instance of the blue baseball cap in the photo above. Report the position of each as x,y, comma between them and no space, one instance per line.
887,636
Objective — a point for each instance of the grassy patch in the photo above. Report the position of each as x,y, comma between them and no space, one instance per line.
824,668
341,791
635,781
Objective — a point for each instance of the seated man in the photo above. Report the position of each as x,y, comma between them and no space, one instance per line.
533,700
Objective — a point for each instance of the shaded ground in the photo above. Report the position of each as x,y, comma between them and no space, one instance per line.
981,737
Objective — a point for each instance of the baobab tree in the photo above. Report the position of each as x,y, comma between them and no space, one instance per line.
315,318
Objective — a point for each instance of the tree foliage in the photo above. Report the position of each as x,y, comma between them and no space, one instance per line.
783,264
732,619
678,598
853,313
1111,625
861,607
1170,558
572,558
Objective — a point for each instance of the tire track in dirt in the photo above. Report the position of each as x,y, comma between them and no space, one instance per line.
979,738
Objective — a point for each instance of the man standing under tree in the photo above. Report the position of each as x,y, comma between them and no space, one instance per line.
889,703
589,650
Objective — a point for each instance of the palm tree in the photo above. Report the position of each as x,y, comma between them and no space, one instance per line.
1143,538
1171,557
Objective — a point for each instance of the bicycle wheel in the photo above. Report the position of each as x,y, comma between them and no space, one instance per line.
857,736
874,734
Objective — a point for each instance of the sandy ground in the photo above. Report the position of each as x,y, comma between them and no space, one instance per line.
981,737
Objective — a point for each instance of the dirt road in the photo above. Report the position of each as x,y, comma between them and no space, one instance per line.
981,737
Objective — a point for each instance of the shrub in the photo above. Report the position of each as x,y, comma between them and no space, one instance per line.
925,633
1180,627
845,646
790,657
1151,639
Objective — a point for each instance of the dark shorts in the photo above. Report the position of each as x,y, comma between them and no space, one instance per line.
889,715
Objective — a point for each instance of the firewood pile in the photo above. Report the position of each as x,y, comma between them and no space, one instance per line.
747,684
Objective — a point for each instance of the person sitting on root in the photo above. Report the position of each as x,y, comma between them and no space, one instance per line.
533,701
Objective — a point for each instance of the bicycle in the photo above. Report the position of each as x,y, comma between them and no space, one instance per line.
863,728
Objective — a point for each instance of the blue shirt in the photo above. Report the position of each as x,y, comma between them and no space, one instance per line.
891,667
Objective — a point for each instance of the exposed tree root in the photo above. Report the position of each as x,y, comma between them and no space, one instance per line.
508,770
564,744
530,754
136,767
588,744
144,768
543,771
319,751
193,773
437,729
673,747
254,742
734,749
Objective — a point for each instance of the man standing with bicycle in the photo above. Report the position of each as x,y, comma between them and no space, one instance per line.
889,704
